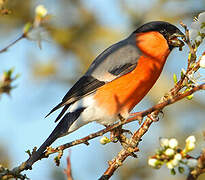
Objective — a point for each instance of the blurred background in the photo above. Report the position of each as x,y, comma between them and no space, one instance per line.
75,34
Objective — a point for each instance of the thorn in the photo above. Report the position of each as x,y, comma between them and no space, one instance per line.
133,155
87,143
109,163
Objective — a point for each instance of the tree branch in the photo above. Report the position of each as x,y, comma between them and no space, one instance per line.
136,137
124,153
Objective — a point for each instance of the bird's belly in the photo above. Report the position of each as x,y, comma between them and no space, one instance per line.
92,112
121,95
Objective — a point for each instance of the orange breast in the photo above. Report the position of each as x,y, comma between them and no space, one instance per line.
122,94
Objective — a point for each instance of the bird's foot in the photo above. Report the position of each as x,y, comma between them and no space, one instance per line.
155,117
118,133
138,117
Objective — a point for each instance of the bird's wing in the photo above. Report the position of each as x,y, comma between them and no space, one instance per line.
116,61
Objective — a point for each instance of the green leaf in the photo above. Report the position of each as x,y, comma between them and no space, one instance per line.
181,170
175,78
173,172
27,27
190,97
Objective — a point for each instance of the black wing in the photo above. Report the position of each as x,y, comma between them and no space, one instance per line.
84,86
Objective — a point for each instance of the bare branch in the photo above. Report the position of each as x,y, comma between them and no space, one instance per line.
136,137
124,153
14,42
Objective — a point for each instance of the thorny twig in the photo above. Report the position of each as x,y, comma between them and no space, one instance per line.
173,94
136,137
14,42
123,154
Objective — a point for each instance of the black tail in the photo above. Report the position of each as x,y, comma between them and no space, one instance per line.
60,130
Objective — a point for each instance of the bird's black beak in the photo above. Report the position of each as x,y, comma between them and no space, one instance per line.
175,42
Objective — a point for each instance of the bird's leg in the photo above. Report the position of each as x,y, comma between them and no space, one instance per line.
153,116
117,134
124,141
114,134
122,119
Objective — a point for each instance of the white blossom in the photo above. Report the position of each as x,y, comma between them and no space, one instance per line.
192,163
169,152
173,143
41,11
153,162
197,28
198,39
164,142
37,34
193,33
202,62
175,162
201,17
178,156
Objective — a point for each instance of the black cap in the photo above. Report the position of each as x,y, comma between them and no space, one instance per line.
165,28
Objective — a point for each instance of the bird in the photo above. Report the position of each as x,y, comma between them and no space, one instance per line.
116,81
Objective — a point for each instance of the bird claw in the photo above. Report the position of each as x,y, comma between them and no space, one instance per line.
139,117
117,135
154,118
117,132
126,131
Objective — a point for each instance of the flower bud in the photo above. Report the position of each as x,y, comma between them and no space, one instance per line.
169,165
190,146
191,139
181,170
175,78
198,39
173,172
153,162
104,140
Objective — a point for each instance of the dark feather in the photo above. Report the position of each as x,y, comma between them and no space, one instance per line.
62,112
54,109
123,69
84,86
60,130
